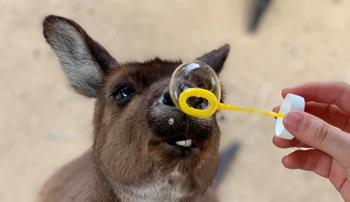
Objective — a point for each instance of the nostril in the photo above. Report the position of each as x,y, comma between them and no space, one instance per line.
197,102
167,99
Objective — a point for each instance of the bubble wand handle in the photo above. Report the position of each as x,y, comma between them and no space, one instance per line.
249,110
214,105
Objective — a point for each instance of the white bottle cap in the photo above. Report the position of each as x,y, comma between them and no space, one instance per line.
290,103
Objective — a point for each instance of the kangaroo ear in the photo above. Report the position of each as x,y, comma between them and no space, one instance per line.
83,60
216,58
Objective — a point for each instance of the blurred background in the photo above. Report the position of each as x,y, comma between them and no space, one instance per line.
44,124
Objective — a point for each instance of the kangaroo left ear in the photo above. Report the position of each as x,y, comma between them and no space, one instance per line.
216,58
83,60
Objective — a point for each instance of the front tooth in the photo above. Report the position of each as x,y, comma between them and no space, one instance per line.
188,142
181,143
184,143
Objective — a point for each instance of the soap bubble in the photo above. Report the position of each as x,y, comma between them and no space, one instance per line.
194,74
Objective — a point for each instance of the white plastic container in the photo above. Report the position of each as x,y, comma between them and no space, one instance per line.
290,103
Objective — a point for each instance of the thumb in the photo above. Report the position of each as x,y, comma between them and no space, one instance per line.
317,133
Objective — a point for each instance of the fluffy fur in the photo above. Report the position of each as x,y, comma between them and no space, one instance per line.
131,158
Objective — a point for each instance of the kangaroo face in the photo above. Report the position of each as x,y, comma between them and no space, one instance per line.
140,136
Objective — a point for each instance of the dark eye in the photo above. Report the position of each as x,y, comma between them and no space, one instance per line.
123,93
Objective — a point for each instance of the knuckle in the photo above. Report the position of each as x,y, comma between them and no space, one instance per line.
342,83
322,133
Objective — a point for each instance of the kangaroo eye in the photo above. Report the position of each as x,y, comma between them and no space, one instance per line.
123,93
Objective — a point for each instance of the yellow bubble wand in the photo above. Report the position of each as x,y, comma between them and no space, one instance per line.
214,105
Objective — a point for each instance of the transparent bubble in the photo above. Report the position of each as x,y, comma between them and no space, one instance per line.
194,74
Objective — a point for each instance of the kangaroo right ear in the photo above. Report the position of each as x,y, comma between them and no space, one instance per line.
216,58
83,60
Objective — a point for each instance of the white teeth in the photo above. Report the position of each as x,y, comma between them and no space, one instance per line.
184,143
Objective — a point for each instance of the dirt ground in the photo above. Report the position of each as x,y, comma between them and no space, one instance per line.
43,124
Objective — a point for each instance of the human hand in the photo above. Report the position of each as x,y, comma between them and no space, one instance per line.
324,129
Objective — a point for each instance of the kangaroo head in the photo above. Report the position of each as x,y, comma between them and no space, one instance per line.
136,125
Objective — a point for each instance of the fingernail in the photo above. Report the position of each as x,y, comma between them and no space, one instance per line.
293,121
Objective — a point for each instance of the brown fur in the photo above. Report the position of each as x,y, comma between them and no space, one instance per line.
131,159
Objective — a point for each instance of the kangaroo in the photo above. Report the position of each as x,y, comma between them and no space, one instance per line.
135,156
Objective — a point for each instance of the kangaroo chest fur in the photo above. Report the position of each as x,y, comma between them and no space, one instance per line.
90,185
158,191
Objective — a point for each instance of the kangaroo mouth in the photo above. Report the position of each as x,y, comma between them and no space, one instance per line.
182,145
178,146
175,134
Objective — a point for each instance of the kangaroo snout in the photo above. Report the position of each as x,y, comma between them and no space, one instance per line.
182,134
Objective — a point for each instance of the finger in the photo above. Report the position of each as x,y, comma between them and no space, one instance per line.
337,93
276,109
315,132
337,174
309,160
329,113
345,190
283,143
318,162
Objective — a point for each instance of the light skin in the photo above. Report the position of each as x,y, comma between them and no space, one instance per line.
324,129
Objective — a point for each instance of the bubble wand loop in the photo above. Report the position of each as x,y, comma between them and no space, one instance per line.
214,105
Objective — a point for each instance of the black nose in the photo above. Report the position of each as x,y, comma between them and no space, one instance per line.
197,102
166,99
